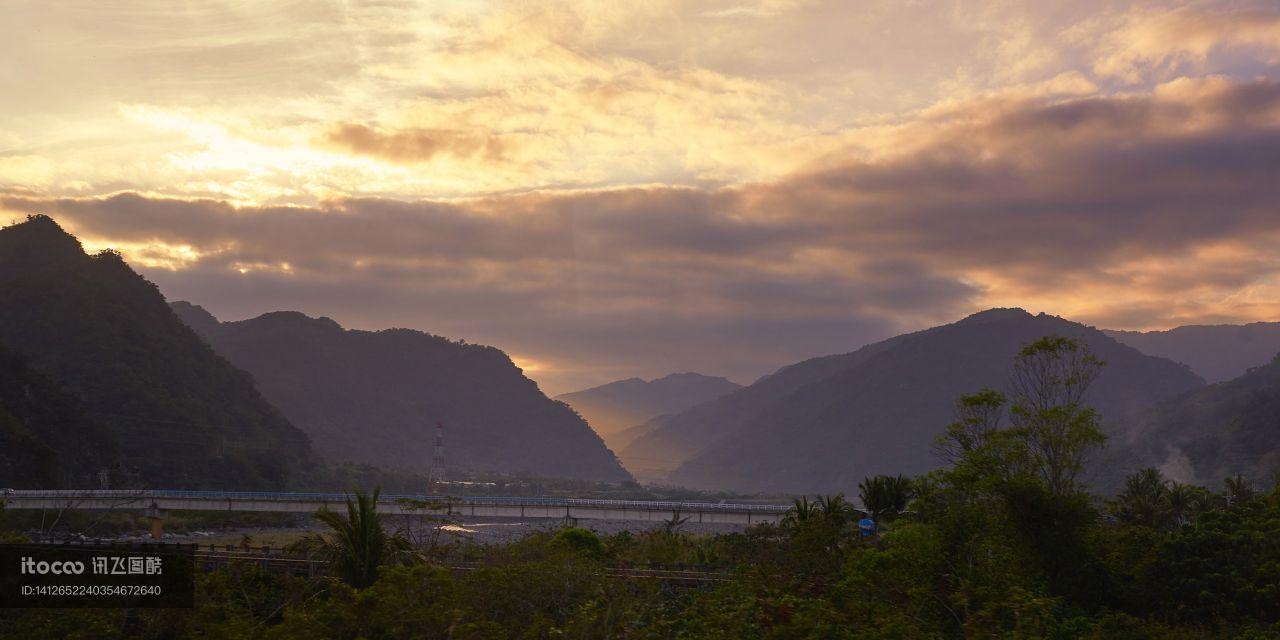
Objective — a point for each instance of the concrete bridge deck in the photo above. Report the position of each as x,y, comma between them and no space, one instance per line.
159,500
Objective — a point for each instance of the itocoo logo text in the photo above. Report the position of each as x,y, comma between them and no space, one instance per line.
65,568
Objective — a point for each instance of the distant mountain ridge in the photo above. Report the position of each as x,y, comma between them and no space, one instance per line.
375,396
1215,352
824,424
613,408
178,414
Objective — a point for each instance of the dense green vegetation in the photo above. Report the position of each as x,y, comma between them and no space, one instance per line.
964,565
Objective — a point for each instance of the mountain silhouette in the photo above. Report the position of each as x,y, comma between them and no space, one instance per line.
375,397
825,424
615,408
179,414
1215,352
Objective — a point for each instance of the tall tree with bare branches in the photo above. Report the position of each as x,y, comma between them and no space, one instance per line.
1048,383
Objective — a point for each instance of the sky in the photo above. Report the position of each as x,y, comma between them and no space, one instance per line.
607,190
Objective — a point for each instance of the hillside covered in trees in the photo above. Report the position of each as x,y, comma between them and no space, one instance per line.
46,439
178,414
1224,429
375,397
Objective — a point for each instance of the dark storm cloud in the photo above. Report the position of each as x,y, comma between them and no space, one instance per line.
1066,200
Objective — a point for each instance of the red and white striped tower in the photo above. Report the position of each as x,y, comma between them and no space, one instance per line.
437,457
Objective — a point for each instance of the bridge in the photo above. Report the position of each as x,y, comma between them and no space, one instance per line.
157,501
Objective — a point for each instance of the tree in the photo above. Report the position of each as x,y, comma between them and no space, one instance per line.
835,509
885,495
579,540
1047,385
357,546
978,416
1223,568
1184,502
673,524
1145,499
978,448
802,510
1239,489
1018,487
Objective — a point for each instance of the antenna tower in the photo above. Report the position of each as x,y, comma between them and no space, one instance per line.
437,457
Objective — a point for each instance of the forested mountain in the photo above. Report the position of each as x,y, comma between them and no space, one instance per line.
1216,352
613,408
823,425
375,397
179,414
46,439
1223,429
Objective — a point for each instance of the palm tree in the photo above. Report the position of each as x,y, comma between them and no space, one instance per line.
357,545
801,511
885,496
1181,502
673,524
1204,500
835,508
1239,489
1144,499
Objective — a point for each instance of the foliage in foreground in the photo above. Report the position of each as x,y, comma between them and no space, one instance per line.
955,574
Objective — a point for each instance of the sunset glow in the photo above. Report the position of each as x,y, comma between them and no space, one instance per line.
612,190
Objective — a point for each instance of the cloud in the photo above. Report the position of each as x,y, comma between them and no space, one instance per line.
414,146
1141,210
296,103
1162,40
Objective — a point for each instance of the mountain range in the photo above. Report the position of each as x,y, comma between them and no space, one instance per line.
616,409
102,381
1215,352
375,397
826,423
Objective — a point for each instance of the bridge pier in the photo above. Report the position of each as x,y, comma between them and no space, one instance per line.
156,515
